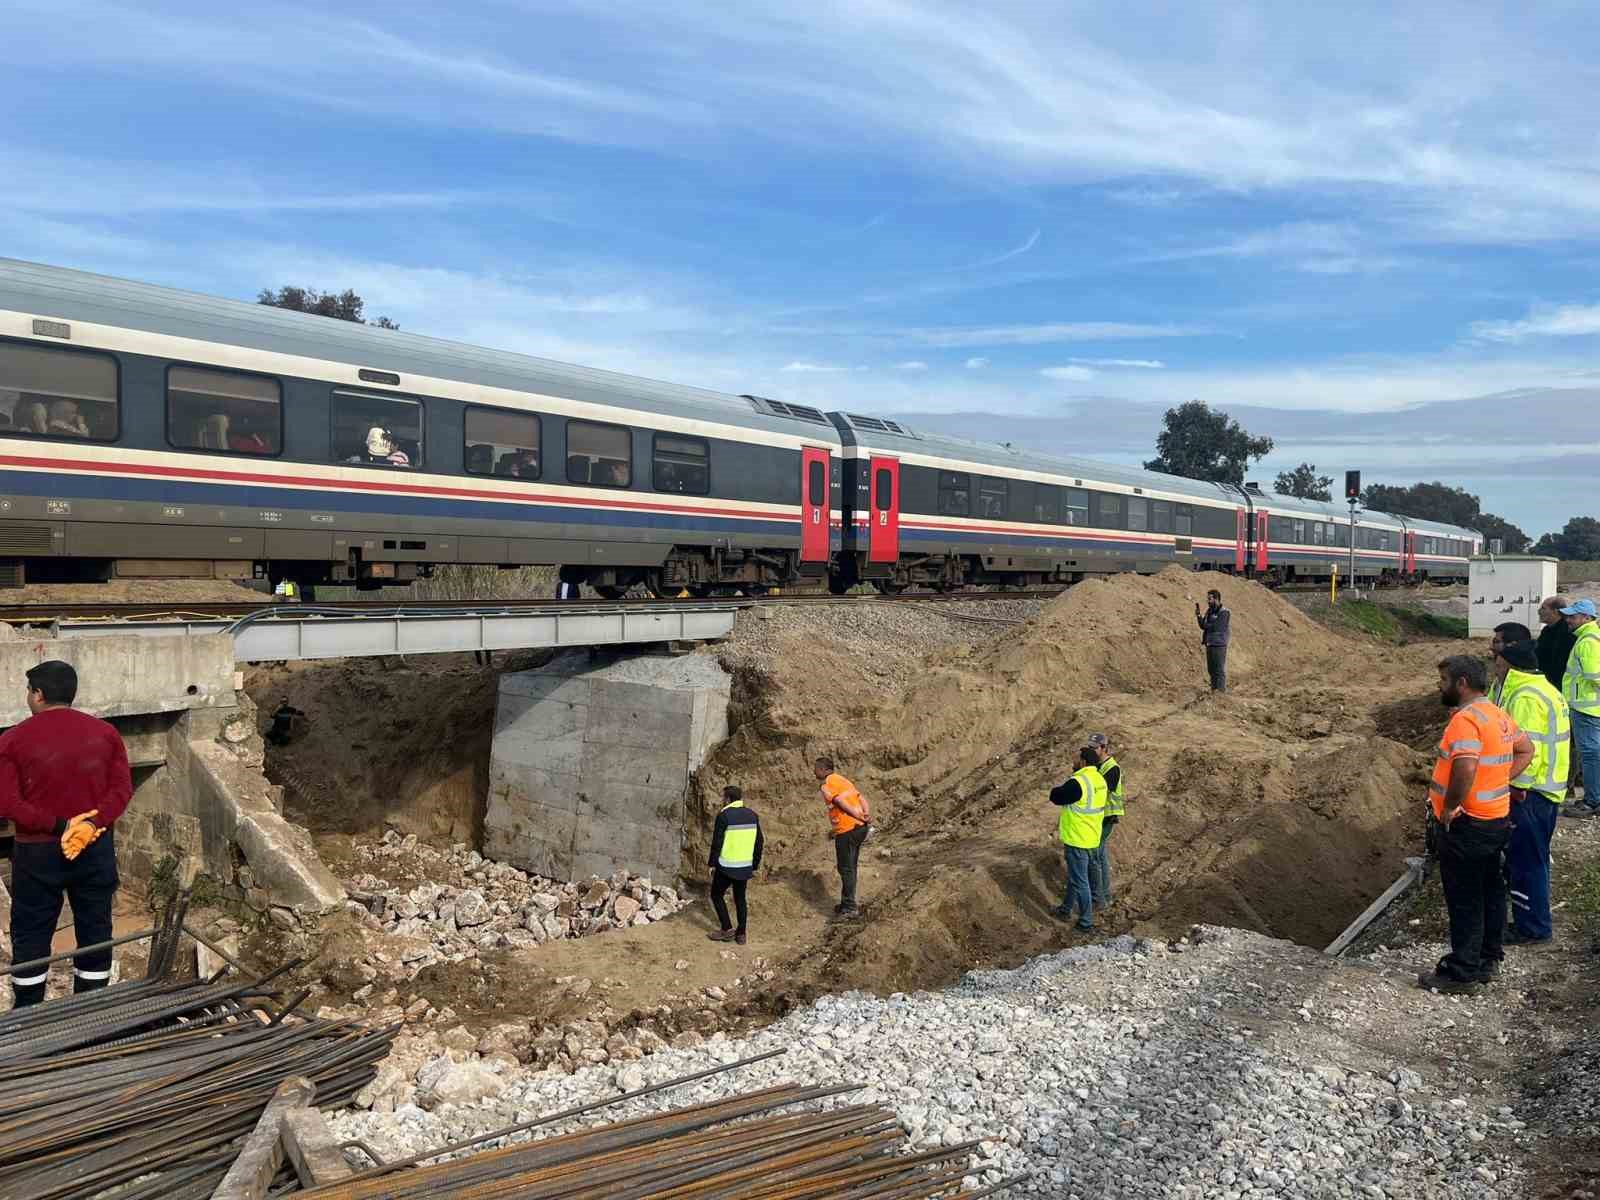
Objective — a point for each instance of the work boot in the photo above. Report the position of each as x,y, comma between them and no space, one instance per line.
1432,981
846,913
722,935
1515,937
739,937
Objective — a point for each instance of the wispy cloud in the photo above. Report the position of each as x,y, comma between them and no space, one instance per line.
1017,252
976,363
913,365
1147,364
1071,373
1573,320
810,368
1047,334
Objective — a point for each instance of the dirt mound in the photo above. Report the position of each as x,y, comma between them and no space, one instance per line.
1282,806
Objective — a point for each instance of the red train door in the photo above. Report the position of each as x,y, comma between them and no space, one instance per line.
884,543
1261,540
1240,521
1410,561
814,506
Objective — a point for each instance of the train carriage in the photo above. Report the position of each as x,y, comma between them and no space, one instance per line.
151,432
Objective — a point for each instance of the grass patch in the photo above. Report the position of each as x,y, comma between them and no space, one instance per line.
1577,570
1387,622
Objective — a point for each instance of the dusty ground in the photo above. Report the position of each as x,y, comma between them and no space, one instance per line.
133,591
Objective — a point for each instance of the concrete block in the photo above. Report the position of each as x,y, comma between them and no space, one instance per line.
125,676
591,762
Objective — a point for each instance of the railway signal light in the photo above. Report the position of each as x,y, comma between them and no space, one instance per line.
1352,485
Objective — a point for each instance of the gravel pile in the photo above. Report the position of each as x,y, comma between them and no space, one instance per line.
1226,1066
467,904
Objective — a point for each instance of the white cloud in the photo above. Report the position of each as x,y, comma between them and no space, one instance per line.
1067,372
811,368
1046,334
1147,364
1573,320
913,365
976,364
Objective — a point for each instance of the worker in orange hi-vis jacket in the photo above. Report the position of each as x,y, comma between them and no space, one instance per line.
849,821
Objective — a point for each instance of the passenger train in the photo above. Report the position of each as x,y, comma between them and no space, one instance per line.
147,432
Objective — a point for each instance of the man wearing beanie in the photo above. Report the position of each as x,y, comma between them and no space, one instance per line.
1537,793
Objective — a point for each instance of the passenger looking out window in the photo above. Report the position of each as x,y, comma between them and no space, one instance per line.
66,420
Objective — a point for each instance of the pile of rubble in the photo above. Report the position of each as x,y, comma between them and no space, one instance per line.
468,904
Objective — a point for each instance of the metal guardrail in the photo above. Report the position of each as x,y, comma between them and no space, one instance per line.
306,633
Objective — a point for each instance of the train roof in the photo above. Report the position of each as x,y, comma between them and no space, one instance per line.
103,299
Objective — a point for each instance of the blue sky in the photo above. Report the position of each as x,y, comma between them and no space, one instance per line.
1061,218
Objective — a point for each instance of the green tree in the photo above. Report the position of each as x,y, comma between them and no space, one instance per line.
1578,539
1200,442
1304,483
1450,505
341,306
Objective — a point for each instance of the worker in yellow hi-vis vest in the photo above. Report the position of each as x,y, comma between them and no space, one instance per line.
735,858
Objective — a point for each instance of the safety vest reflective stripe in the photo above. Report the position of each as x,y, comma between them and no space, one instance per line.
1493,759
1462,745
1490,797
1542,714
1580,685
1083,820
1116,802
738,843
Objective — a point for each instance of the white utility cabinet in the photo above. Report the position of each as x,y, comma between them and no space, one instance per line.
1507,587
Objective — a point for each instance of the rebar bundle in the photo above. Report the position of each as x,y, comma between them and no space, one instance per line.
141,1087
740,1148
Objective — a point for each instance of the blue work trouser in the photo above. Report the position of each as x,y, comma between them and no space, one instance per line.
1528,863
1078,897
1100,868
1586,741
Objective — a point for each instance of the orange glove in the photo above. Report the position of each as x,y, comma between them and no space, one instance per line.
80,833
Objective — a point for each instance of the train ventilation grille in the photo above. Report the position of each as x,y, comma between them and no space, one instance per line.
877,424
13,574
16,538
778,408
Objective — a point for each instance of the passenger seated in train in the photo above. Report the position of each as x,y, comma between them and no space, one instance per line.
480,459
526,464
247,439
66,420
382,448
30,416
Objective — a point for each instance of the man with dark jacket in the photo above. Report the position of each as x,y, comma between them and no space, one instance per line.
1215,631
64,781
736,845
1555,640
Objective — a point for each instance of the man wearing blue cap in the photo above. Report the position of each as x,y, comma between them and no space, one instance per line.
1581,688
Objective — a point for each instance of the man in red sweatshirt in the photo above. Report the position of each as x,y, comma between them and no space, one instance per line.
64,781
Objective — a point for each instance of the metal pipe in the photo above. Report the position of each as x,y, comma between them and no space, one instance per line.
65,954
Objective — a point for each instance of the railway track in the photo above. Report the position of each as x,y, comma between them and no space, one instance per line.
43,613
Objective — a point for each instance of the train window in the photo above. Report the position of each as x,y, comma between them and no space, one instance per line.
1138,513
1047,504
883,486
376,431
993,500
1299,531
1161,516
599,455
1077,511
1185,518
1109,509
955,493
46,392
226,411
1316,533
681,464
817,484
498,441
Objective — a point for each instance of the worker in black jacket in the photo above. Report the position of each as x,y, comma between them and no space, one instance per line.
1555,641
735,857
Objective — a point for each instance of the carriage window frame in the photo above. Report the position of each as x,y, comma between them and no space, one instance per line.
990,486
1161,513
1140,506
1183,519
574,422
192,449
952,484
1070,509
338,393
704,445
116,395
817,483
1047,504
467,443
883,489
